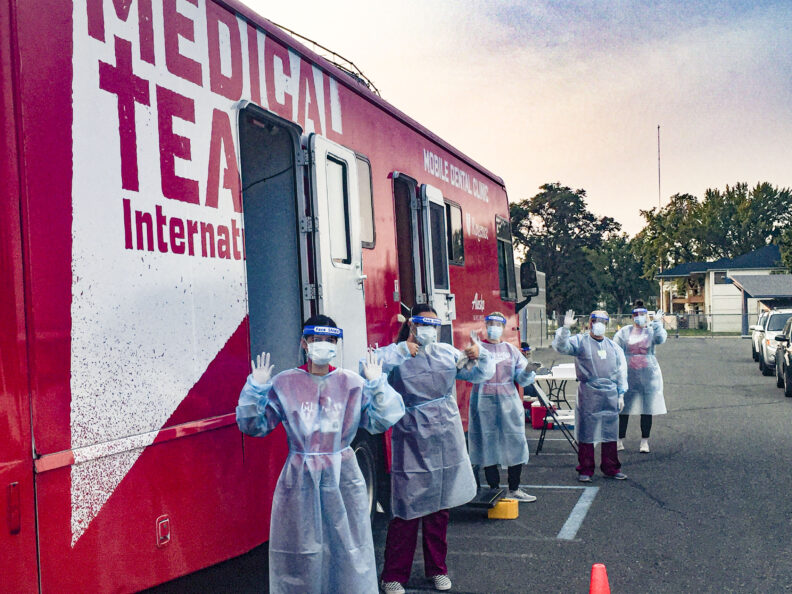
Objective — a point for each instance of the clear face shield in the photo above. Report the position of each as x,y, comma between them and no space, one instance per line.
599,323
495,326
640,317
322,345
425,329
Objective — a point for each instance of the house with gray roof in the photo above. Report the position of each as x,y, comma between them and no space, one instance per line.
707,288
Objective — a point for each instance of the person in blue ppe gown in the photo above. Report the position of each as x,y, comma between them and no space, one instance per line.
644,394
320,533
496,423
602,380
430,470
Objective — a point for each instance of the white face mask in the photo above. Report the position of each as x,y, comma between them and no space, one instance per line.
425,335
494,332
640,320
321,353
598,328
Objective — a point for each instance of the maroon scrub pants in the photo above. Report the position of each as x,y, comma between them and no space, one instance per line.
401,542
610,459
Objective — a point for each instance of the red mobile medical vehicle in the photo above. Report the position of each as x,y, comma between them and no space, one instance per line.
182,184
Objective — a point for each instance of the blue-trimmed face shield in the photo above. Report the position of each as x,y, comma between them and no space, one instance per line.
323,333
425,329
500,319
424,321
639,311
600,318
322,345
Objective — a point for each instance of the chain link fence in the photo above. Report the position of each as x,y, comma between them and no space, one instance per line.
677,324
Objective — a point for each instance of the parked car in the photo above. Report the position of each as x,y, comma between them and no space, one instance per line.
757,334
783,358
775,323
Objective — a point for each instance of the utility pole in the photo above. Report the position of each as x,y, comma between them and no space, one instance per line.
659,196
659,207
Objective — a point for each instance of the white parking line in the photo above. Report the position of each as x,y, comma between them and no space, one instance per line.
575,519
578,514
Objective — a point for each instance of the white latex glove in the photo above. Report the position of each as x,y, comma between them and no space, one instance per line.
471,353
658,316
569,318
621,403
372,368
262,370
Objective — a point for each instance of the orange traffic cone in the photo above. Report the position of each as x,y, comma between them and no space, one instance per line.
599,580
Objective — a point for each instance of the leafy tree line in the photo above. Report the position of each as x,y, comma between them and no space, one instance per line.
588,260
725,224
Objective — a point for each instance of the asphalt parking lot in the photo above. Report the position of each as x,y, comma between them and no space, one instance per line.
708,510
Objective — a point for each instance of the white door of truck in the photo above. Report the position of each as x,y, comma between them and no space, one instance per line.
436,257
338,253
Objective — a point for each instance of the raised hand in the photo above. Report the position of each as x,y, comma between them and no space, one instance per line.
372,368
569,318
262,370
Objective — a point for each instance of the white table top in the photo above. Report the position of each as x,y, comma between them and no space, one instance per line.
560,373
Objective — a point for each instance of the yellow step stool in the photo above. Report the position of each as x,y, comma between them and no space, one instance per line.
505,509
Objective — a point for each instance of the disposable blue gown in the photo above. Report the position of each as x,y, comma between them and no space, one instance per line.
430,468
320,534
496,424
644,394
602,376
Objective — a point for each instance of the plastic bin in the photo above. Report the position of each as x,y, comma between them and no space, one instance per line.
537,416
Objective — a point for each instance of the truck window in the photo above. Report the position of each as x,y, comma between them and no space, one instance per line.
437,224
367,234
456,245
508,289
338,207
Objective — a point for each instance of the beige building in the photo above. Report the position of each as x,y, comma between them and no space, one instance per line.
705,293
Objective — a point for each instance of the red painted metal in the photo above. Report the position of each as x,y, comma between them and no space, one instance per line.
18,536
194,469
49,462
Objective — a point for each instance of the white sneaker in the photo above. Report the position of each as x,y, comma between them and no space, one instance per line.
520,495
441,582
644,449
619,445
392,587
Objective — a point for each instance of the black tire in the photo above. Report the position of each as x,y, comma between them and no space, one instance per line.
370,453
763,367
787,383
366,454
754,354
779,378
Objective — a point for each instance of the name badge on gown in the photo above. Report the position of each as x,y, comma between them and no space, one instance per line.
603,354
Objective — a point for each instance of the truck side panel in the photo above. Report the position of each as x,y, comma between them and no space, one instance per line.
17,518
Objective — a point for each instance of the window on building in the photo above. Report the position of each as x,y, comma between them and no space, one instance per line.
456,244
437,227
338,206
367,233
722,279
506,277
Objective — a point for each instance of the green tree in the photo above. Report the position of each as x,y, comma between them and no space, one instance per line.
785,243
620,280
670,236
726,224
556,228
740,220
